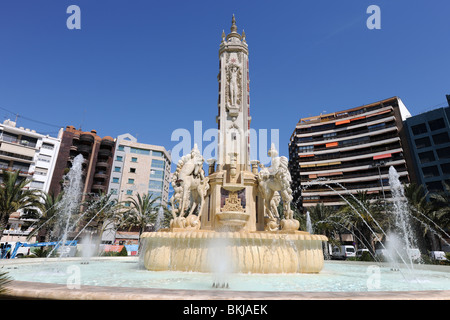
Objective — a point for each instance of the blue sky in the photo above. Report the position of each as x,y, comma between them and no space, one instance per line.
150,67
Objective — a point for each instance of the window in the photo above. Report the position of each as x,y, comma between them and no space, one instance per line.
157,154
155,194
41,171
113,191
445,168
158,164
131,181
129,192
443,153
119,158
140,151
306,149
328,136
133,159
422,143
115,180
441,138
44,158
116,169
426,157
48,146
436,124
120,148
429,172
127,204
154,184
419,129
157,174
434,186
376,126
37,185
132,170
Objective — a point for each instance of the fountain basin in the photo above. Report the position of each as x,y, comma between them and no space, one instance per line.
243,252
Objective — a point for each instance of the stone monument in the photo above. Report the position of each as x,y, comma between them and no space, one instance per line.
236,204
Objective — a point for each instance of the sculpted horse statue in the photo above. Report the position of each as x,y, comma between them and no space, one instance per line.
273,182
190,186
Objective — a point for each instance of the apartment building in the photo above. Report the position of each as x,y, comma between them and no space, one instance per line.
98,154
344,152
139,168
34,155
429,138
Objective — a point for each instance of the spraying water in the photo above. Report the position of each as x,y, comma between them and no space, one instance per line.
71,199
403,237
309,227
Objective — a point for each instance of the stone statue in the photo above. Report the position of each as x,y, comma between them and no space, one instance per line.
190,186
274,182
233,85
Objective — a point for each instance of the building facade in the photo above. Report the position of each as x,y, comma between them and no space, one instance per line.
139,168
98,155
34,155
344,152
429,137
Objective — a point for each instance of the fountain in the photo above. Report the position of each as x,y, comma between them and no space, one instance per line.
403,239
69,204
236,204
226,238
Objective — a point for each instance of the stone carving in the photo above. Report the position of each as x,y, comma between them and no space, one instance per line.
233,203
190,187
277,180
233,87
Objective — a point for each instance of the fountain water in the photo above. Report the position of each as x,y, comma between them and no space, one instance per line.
70,201
403,238
308,223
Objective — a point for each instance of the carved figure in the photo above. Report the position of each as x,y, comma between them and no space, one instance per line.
190,186
272,180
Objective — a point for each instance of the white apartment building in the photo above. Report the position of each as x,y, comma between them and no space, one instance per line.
34,155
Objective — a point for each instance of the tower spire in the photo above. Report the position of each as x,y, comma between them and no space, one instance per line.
233,24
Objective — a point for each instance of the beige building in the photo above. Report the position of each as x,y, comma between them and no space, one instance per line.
139,168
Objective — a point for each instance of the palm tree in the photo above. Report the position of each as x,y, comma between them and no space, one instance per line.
100,208
48,220
442,203
423,213
143,211
15,196
364,217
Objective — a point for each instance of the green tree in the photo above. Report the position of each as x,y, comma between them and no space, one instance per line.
15,196
48,218
441,202
364,216
143,211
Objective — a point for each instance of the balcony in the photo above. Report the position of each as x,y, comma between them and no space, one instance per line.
84,149
103,153
102,164
86,137
107,144
101,175
99,186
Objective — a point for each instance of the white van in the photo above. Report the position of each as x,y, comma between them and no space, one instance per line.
344,252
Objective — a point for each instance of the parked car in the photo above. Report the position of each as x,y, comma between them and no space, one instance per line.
360,252
438,255
343,252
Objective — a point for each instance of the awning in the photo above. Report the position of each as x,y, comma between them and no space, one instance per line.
382,156
342,122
